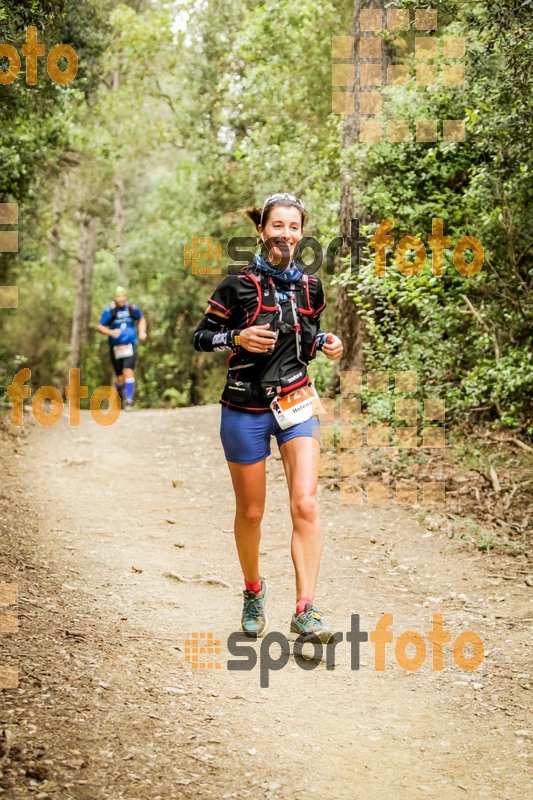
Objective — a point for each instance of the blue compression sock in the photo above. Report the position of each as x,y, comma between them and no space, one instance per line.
130,389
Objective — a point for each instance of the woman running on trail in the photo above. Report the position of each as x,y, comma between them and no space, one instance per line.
268,313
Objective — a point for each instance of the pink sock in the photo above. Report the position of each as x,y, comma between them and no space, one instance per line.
253,586
301,604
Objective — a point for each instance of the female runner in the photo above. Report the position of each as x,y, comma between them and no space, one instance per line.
268,313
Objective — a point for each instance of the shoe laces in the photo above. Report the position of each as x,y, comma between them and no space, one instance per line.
313,614
253,606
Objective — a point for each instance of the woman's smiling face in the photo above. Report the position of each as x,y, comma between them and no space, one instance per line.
283,223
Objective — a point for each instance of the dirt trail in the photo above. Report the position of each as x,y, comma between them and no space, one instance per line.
107,705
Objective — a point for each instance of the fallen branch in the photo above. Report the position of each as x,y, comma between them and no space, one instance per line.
201,579
494,479
519,442
522,444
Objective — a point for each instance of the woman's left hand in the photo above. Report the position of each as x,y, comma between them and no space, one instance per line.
332,347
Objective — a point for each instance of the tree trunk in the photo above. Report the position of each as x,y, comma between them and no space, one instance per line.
118,185
348,324
82,304
54,235
119,192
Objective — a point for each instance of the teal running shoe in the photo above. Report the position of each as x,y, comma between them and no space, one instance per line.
309,624
254,619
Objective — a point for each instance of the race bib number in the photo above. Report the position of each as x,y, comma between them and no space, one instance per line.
123,350
298,406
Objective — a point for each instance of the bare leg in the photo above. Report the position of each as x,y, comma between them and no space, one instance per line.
249,484
301,460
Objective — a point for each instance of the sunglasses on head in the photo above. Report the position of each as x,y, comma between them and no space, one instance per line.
280,196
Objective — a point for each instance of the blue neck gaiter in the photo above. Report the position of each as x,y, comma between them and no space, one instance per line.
289,275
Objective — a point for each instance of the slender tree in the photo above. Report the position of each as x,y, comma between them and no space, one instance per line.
82,305
348,323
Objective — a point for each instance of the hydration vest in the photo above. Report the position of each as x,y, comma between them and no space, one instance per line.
271,373
114,310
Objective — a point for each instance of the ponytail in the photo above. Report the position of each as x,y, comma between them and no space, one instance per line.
259,216
253,213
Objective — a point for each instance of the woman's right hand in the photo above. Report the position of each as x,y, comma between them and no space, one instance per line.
258,338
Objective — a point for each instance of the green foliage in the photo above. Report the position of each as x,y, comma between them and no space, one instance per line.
506,384
468,338
200,108
469,531
320,371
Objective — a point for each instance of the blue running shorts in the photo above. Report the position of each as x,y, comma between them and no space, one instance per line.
246,437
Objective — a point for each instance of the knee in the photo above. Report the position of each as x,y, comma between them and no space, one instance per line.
305,507
250,514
